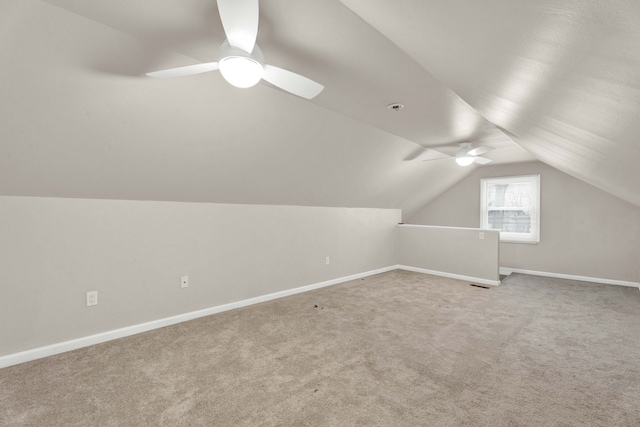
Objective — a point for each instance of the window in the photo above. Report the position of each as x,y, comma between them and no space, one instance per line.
511,205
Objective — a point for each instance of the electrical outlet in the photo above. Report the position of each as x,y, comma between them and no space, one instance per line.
481,235
327,261
184,282
92,298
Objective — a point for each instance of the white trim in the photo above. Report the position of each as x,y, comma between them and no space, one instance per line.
450,275
491,230
520,242
509,270
50,350
311,287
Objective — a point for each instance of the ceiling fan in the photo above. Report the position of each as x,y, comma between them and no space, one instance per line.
467,155
240,60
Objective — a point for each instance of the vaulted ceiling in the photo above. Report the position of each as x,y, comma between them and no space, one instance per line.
554,81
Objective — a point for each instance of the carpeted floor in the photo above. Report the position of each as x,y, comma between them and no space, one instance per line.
396,349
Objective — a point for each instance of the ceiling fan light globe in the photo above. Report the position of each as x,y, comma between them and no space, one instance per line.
464,160
241,71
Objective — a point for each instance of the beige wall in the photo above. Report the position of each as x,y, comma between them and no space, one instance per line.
456,251
133,253
584,231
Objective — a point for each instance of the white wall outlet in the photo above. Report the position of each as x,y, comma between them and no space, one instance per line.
92,298
481,235
184,282
327,261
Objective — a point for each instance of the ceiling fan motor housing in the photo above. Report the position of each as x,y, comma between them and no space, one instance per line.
464,149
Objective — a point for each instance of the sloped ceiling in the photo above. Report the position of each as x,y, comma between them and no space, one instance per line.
80,119
562,77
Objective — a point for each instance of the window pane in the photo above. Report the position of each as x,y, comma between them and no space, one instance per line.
510,221
510,195
512,205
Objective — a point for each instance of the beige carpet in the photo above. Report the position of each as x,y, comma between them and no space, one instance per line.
396,349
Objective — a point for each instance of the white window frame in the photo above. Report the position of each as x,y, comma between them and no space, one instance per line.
534,236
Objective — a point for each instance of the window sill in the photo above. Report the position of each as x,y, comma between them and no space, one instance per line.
520,242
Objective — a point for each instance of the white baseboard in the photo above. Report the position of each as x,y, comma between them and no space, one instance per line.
50,350
450,275
509,270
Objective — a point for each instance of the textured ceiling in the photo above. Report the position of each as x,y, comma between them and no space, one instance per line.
80,119
561,77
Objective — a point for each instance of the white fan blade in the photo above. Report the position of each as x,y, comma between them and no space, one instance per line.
482,160
187,70
240,21
292,82
480,150
437,158
428,155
